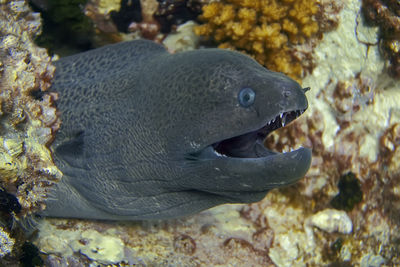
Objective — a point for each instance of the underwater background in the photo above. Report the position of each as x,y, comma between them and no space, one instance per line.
344,212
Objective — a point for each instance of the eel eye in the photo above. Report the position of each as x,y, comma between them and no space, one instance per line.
246,97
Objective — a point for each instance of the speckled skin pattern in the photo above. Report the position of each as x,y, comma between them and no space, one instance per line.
138,122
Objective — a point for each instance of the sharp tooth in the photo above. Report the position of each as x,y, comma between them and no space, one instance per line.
283,119
219,154
281,115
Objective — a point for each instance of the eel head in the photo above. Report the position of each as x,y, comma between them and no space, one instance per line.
226,154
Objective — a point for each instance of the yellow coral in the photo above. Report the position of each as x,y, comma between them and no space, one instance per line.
265,29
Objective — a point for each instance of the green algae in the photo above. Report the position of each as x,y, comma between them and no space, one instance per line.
66,29
350,193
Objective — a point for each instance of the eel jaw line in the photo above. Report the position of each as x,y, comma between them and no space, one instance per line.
250,145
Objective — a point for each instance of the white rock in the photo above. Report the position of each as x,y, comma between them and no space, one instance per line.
331,220
103,248
6,243
184,39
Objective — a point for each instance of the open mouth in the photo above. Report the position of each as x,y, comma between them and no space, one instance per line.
250,145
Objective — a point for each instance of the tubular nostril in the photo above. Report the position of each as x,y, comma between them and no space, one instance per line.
306,89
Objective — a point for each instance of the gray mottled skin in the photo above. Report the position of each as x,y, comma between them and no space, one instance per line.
138,122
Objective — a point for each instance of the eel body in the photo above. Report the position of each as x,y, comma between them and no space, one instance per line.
151,135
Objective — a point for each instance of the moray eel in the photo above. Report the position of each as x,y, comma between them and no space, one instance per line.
151,135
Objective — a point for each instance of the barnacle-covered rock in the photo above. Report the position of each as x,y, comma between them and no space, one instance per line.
28,120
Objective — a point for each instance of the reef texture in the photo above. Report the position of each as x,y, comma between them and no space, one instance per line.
28,119
66,29
182,39
117,20
345,212
271,31
386,15
171,13
161,21
6,243
353,127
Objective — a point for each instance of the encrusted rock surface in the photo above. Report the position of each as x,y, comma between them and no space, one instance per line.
27,116
6,242
353,127
28,122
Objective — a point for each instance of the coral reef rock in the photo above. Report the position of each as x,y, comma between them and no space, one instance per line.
268,30
183,39
65,29
28,120
353,126
386,15
6,243
117,20
171,13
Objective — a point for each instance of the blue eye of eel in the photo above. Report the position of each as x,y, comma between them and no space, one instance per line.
246,97
147,134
